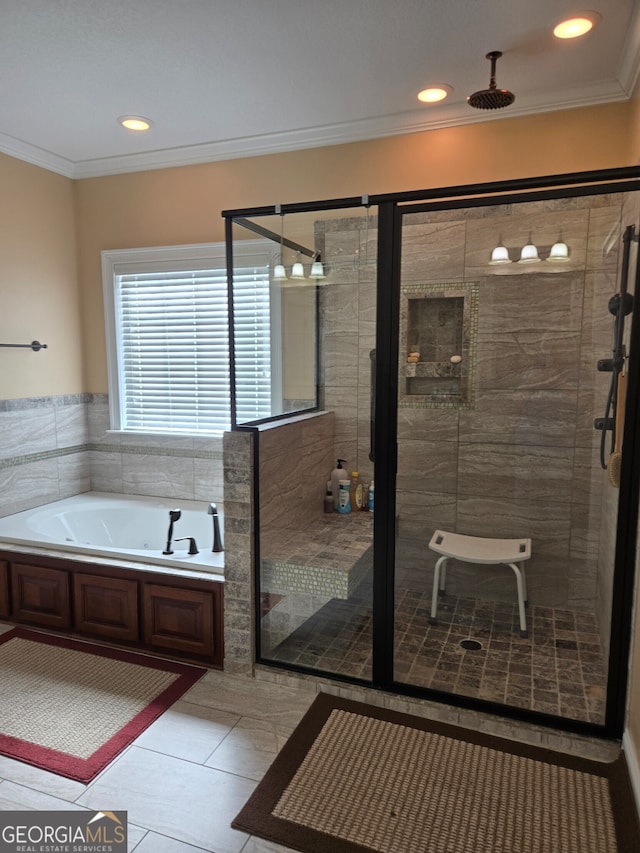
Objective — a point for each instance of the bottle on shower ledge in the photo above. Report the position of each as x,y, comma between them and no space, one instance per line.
337,474
344,502
357,492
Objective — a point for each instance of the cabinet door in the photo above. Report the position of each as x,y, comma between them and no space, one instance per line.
40,596
4,588
180,620
106,607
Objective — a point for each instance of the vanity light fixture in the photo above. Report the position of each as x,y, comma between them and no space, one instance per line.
138,124
436,93
559,251
317,269
529,253
500,255
297,270
578,25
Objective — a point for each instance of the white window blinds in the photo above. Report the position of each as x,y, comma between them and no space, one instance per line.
173,348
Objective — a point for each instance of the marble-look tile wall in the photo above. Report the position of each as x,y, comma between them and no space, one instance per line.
348,335
160,466
44,453
523,460
55,447
295,461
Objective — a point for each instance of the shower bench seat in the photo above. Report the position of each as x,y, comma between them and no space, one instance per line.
478,549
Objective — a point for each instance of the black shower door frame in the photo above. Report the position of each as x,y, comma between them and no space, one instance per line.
391,213
392,207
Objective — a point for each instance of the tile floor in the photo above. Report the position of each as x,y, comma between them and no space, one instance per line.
559,669
185,778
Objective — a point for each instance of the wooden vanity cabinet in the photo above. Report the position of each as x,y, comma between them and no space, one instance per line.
175,616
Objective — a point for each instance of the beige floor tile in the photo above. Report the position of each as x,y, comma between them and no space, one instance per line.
188,731
285,706
249,748
176,798
40,780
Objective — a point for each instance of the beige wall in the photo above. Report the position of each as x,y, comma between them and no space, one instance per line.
38,283
183,205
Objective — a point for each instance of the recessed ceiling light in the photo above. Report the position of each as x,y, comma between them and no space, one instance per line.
136,123
433,94
582,23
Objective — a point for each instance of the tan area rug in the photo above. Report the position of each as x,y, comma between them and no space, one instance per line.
70,707
355,778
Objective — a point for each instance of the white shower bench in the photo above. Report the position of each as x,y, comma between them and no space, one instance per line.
478,549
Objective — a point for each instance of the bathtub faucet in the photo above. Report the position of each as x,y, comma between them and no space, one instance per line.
174,515
212,509
193,548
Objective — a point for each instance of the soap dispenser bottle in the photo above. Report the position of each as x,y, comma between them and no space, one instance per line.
337,474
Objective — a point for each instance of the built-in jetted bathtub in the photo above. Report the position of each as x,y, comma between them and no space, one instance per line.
122,527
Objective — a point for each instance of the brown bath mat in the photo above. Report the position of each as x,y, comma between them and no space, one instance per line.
355,778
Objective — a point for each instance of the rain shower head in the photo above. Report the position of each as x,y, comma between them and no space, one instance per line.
491,98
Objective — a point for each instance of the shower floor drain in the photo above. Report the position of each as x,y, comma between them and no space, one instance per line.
471,645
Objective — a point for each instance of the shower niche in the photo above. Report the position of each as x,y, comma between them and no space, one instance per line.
437,345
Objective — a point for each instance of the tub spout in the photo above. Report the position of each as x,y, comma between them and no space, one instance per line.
193,548
174,515
212,509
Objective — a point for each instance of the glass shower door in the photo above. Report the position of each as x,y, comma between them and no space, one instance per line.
498,390
315,574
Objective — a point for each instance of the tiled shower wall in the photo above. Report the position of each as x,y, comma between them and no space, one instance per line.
522,460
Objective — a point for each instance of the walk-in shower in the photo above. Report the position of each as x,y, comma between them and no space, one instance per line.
468,390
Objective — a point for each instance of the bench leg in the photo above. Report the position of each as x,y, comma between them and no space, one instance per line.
522,597
438,588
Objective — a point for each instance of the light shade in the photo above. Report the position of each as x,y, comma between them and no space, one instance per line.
317,270
500,255
559,252
529,254
297,270
279,273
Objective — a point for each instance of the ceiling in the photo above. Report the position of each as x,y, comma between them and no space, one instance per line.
231,78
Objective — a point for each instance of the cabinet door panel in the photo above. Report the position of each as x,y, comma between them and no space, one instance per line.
106,607
179,619
40,596
4,588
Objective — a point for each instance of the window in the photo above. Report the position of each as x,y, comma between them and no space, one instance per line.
167,325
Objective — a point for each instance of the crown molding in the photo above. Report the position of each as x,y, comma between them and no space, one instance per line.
36,156
417,121
629,68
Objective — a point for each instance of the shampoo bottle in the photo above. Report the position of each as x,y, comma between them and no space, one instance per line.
337,474
344,502
371,497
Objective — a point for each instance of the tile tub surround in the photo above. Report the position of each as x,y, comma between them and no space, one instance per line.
57,447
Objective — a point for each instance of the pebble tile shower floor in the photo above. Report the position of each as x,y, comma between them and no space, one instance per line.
559,669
